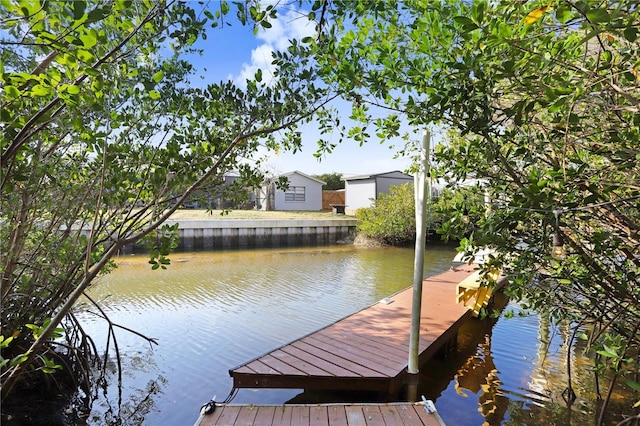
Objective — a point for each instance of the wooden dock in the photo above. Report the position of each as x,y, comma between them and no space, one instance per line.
321,414
367,350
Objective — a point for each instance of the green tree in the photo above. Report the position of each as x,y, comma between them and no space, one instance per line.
103,138
333,181
391,220
547,97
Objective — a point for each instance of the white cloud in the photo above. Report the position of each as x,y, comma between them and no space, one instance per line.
291,24
261,58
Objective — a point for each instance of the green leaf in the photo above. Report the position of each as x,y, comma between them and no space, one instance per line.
606,354
478,11
466,23
154,94
259,75
12,92
40,90
582,336
73,89
79,7
598,16
631,34
88,40
97,83
17,360
98,14
157,77
241,14
5,342
610,350
123,4
563,13
633,385
86,57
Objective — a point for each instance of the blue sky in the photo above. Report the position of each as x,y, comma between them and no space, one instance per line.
234,52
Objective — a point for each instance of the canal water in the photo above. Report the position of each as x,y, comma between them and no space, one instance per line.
212,311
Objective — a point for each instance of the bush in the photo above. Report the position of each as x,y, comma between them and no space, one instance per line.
391,220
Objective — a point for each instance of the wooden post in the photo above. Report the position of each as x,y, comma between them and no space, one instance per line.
421,186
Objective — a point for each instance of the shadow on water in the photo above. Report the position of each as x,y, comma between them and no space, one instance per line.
470,368
212,311
503,372
460,361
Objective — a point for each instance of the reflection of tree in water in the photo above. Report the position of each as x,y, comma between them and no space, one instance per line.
479,374
134,410
534,377
112,404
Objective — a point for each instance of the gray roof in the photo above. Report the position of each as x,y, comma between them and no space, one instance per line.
305,175
375,175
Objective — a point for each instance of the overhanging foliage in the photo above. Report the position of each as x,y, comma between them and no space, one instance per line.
103,137
547,98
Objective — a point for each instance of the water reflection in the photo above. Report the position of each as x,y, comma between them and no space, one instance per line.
213,311
513,372
479,375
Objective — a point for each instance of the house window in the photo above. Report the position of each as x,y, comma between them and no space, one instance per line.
294,193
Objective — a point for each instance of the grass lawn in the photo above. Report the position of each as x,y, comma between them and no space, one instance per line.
200,214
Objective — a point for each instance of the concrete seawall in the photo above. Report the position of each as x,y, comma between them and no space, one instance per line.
229,234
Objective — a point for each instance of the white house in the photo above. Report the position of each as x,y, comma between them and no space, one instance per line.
304,193
362,190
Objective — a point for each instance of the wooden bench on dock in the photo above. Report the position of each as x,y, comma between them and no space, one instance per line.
471,293
367,350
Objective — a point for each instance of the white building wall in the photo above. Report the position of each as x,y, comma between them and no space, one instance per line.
313,195
358,194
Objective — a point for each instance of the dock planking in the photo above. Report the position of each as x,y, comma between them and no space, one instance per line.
367,350
403,413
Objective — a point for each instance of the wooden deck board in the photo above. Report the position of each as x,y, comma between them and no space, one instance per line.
281,417
282,366
380,363
370,346
318,416
355,416
259,367
300,415
387,414
366,344
265,415
337,415
334,358
246,416
226,417
390,416
301,364
373,415
322,364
